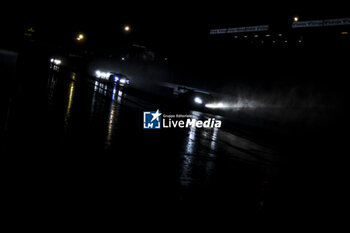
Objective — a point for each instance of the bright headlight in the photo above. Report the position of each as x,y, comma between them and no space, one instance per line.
216,105
103,75
198,100
55,61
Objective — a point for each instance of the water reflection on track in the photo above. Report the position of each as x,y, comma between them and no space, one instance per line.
99,125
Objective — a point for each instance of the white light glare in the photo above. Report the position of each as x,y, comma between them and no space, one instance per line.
198,100
102,75
126,28
216,105
55,61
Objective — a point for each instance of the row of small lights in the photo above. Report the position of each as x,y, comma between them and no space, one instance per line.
295,19
256,36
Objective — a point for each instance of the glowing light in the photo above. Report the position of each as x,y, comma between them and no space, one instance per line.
124,81
80,37
344,33
296,19
55,61
238,104
102,75
68,112
120,93
198,100
127,28
216,105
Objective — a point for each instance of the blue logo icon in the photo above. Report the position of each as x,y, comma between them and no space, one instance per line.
151,120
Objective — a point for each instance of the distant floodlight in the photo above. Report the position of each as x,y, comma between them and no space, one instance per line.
296,18
80,37
127,28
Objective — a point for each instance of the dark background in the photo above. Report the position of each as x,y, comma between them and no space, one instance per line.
313,180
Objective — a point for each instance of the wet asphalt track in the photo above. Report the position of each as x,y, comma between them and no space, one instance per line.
77,144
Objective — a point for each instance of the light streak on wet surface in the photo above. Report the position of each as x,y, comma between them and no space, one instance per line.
87,137
95,128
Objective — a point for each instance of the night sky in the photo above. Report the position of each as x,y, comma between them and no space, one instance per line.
160,25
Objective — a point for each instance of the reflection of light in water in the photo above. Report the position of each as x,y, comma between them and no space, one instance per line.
192,133
54,67
51,88
73,76
186,176
190,141
93,101
99,99
120,95
70,94
96,86
200,148
113,115
100,88
213,142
